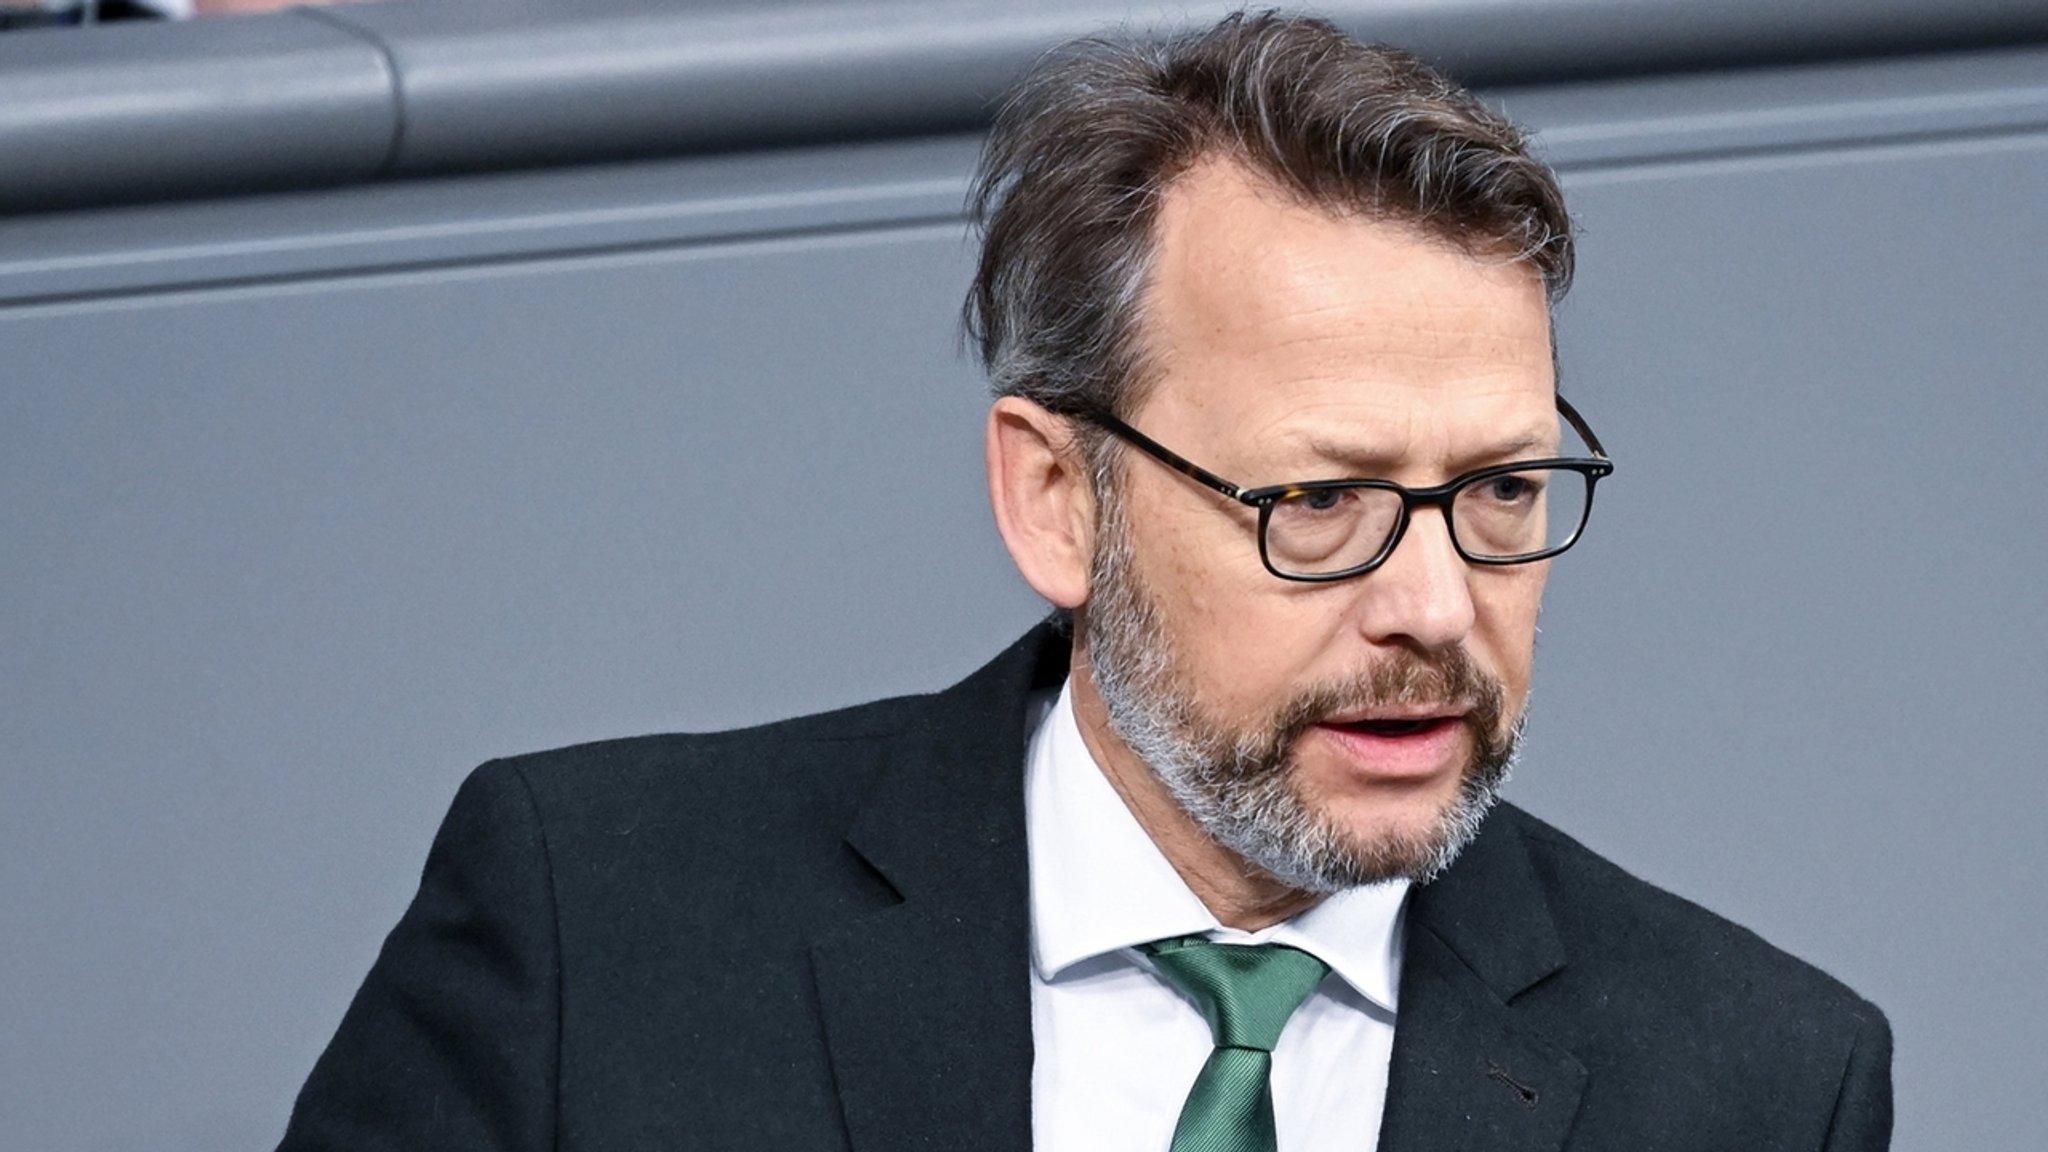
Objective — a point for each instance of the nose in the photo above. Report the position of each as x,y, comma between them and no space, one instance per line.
1421,595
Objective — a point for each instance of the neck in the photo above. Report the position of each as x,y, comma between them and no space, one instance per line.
1238,893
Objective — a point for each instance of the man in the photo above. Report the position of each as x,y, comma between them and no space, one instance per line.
1277,431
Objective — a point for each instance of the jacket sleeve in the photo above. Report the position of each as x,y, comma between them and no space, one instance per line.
1863,1109
453,1039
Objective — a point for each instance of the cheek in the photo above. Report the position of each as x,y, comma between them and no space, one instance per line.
1505,603
1260,647
1240,638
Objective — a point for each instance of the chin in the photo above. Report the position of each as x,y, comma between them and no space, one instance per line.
1376,831
1400,827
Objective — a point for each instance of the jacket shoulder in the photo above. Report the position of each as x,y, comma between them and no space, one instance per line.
729,759
1610,917
796,764
854,722
1682,1013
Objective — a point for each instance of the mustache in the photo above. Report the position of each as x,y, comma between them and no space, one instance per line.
1449,678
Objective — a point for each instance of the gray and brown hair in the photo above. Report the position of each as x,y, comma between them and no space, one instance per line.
1079,158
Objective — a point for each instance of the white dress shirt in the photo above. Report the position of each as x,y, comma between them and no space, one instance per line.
1117,1047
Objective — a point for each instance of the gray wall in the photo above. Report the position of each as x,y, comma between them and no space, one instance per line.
311,502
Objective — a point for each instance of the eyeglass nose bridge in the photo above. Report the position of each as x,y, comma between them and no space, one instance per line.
1441,499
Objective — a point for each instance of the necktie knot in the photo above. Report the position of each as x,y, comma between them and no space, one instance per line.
1245,991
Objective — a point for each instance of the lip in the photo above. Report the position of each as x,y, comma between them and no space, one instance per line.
1436,747
1400,715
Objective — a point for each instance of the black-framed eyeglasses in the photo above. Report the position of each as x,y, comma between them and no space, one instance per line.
1324,530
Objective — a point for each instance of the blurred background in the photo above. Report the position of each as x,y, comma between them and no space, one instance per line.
389,386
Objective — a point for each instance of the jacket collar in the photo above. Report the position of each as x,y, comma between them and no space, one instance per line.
926,1004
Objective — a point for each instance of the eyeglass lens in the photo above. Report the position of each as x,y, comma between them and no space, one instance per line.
1325,529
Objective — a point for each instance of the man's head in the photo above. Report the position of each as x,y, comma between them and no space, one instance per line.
1285,257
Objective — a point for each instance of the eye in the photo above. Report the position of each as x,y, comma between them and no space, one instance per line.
1508,489
1320,499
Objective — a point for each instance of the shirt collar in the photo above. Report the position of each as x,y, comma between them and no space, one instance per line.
1099,884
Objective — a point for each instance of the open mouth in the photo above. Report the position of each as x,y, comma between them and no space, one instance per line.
1390,728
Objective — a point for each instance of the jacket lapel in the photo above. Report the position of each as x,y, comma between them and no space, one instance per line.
1466,1073
926,1004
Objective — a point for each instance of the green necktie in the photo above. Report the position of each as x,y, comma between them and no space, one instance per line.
1246,992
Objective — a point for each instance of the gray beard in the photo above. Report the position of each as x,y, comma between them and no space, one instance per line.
1241,786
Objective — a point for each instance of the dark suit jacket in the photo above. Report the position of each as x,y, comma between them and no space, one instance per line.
814,935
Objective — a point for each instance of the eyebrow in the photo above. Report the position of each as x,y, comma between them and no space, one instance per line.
1368,463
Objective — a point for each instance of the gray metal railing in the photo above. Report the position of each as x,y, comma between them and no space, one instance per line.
353,93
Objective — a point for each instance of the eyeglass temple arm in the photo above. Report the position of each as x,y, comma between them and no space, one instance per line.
1167,456
1578,424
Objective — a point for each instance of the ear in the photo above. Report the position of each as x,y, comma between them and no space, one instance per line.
1044,506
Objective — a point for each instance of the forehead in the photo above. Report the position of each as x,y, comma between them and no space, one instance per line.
1321,333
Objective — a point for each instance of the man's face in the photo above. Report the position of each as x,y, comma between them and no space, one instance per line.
1334,734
